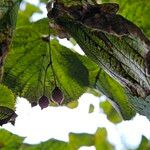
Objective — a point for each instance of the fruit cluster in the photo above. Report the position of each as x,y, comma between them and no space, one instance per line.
57,97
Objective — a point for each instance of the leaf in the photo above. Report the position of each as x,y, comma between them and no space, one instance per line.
26,63
101,142
7,105
115,43
7,98
118,48
44,1
136,11
144,145
91,108
8,18
9,13
111,113
69,69
9,141
73,104
7,115
24,15
51,144
78,140
75,142
141,105
29,61
116,93
95,92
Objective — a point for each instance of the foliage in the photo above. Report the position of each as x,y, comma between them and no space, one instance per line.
99,140
27,63
8,17
144,145
111,113
35,64
9,140
118,49
117,95
136,11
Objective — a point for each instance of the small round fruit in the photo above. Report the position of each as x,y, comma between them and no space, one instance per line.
57,95
43,102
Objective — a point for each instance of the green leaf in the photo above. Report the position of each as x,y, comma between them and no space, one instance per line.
24,15
111,113
26,63
7,104
7,98
136,11
7,115
141,105
69,69
91,108
73,104
101,142
117,62
94,91
8,18
9,13
78,140
144,145
116,93
44,1
26,66
9,141
51,144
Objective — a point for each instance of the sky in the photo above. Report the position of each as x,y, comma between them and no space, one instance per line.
56,122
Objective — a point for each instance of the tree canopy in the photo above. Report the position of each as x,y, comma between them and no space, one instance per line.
34,65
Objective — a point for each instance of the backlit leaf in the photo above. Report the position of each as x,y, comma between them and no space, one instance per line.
110,112
9,141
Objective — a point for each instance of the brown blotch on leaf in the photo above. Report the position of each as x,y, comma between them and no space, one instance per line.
100,17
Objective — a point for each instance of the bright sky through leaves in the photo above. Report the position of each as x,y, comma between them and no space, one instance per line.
40,125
